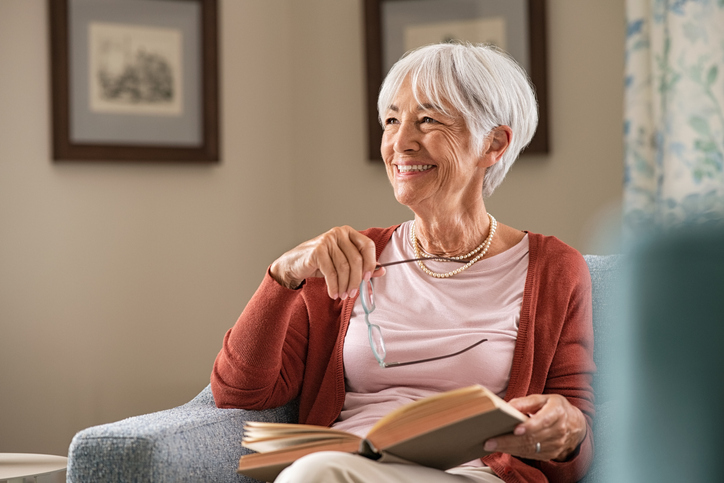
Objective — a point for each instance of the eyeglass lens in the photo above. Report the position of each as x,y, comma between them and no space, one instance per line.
377,343
367,294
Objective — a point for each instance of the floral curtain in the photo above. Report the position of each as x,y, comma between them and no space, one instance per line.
674,112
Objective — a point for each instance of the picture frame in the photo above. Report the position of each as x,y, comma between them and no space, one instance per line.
394,26
134,80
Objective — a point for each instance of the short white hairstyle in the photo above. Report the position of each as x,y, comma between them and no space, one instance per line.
481,83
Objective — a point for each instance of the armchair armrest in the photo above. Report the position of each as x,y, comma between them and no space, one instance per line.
190,443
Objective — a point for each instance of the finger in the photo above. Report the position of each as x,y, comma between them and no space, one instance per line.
526,435
544,410
553,413
379,271
367,249
514,445
526,446
351,265
362,258
347,260
327,269
529,404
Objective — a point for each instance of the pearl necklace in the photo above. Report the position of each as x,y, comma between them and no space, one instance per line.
483,246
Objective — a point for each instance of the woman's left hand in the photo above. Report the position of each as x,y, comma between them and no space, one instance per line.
555,424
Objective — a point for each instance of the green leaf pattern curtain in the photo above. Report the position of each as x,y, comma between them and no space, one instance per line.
674,112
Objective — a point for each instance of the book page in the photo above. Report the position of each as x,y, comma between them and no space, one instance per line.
256,429
266,437
423,409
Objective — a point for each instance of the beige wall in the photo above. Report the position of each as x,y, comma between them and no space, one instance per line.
117,281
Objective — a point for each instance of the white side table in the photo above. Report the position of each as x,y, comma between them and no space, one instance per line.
32,468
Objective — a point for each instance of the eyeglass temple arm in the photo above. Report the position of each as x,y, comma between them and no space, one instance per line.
441,259
399,364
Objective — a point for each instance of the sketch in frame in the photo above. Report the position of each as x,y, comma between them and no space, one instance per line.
135,69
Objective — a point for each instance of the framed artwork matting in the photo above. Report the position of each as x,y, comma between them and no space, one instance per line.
134,80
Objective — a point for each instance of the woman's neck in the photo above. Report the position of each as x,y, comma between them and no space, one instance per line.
452,235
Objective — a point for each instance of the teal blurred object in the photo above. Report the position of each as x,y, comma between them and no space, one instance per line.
670,361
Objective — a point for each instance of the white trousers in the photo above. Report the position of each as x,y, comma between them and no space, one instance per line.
337,467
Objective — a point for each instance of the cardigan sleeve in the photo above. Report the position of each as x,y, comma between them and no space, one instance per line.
287,344
262,359
572,367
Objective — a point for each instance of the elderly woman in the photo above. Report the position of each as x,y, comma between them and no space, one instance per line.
455,118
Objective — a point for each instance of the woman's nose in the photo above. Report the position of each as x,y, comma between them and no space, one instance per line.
407,137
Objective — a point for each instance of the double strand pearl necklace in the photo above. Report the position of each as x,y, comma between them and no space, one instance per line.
483,249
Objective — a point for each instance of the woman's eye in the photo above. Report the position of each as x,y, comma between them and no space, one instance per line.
390,120
428,120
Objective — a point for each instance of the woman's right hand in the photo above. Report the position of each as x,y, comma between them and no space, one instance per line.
343,256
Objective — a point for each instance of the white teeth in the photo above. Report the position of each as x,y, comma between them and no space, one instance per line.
414,167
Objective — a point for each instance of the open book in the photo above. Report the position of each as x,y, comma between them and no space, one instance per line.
440,431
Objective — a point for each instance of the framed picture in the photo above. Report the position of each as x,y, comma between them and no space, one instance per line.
134,80
395,26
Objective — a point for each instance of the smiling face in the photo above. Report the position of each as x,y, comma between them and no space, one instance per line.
429,156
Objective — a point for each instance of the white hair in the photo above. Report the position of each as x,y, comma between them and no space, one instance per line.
482,83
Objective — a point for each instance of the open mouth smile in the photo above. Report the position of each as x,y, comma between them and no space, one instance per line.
414,168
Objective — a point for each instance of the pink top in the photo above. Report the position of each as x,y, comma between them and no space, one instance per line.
421,317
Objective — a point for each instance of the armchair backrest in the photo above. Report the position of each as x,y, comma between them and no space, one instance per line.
606,272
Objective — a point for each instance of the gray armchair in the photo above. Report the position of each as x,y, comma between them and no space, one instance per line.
198,442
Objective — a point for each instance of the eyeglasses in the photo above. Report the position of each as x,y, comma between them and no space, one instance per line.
374,332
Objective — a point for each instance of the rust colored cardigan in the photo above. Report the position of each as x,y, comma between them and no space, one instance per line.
288,344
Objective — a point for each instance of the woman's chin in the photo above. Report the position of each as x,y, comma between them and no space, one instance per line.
408,198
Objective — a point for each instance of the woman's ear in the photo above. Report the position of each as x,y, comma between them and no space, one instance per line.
499,140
